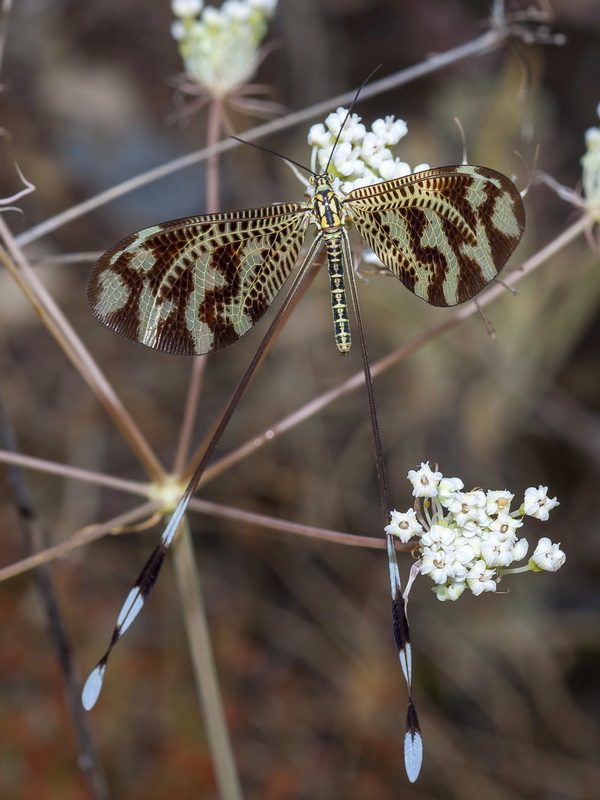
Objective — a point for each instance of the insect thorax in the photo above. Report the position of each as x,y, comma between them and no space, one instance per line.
327,208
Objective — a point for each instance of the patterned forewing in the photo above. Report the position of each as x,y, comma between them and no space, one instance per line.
195,285
445,233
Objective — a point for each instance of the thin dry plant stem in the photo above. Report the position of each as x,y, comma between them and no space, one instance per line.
213,135
205,672
79,356
189,415
188,580
486,43
4,15
76,473
284,526
201,506
64,259
498,13
34,539
90,534
120,524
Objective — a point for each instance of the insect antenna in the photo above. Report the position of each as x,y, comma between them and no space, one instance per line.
295,165
337,138
349,113
273,153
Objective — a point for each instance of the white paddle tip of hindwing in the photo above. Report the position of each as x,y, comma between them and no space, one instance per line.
93,686
413,754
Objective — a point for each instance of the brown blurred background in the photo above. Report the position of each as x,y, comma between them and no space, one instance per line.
507,684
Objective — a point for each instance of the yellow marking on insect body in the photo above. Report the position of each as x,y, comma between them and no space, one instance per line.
329,214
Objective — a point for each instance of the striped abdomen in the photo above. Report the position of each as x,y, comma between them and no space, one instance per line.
339,304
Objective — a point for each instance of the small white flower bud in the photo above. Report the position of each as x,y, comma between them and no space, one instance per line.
318,136
178,30
480,578
447,488
451,592
390,131
547,556
520,549
404,525
266,6
424,481
186,8
537,503
498,501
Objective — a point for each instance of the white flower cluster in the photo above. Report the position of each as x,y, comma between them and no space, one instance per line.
470,538
360,157
219,46
591,169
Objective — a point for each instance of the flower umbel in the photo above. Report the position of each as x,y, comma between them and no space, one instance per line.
220,47
360,157
469,539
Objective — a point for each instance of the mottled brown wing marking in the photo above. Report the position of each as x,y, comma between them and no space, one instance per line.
175,288
471,279
431,257
493,211
256,299
445,233
196,285
125,317
224,260
455,193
